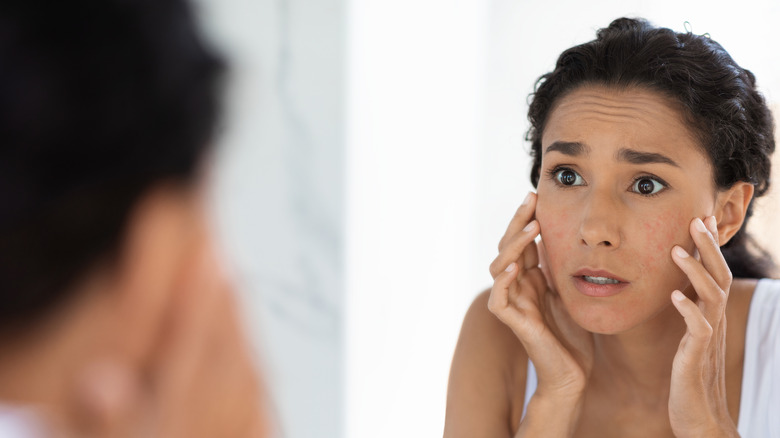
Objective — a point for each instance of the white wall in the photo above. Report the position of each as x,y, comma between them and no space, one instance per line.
280,196
414,121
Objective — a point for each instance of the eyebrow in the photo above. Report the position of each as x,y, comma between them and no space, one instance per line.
573,148
636,157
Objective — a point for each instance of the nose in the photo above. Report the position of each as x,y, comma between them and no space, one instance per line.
600,223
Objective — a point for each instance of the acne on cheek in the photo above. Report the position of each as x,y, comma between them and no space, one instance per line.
556,231
553,225
662,233
650,246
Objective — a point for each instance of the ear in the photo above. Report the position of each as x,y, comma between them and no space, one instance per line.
158,246
732,205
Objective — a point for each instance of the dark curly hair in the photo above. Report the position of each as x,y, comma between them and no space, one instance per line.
718,98
99,101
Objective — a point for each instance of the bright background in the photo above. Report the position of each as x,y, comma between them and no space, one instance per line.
373,154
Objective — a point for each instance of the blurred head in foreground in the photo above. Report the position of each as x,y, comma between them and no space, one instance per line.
114,313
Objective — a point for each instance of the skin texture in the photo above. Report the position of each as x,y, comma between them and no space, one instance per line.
640,356
603,224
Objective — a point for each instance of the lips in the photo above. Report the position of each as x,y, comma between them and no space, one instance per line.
598,282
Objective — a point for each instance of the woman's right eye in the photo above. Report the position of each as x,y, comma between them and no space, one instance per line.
568,177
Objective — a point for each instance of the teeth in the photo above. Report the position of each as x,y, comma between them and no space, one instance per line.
600,280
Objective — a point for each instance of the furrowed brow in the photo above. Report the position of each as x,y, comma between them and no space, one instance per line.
568,148
636,157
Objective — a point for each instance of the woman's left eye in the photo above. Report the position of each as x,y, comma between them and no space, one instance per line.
647,186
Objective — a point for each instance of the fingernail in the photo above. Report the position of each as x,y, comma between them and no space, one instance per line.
510,268
712,225
527,199
531,225
677,295
699,225
681,253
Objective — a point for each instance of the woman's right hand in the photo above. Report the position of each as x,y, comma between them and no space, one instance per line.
561,351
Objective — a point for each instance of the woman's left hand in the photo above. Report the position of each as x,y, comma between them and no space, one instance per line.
697,398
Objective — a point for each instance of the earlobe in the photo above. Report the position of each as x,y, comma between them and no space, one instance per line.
732,205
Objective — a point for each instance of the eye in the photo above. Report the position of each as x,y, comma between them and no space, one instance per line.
568,177
647,186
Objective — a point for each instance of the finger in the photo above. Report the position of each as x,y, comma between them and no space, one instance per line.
694,345
712,225
230,390
499,294
505,303
537,279
512,301
530,255
208,383
522,216
711,256
185,346
513,250
712,298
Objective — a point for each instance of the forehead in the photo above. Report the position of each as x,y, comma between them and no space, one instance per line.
605,118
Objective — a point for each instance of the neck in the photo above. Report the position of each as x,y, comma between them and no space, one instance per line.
637,364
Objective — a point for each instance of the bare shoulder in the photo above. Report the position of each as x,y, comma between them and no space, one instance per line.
487,377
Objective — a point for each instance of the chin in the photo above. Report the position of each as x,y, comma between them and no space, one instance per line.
605,327
602,323
611,316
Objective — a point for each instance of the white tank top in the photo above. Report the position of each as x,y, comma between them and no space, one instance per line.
759,406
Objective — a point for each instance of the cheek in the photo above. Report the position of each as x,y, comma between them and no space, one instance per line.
658,234
648,243
558,230
554,225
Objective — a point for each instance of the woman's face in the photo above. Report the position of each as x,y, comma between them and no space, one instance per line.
621,179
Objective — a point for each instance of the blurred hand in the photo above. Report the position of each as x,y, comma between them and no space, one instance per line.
200,382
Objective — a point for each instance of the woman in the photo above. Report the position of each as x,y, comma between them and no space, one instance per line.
116,320
648,148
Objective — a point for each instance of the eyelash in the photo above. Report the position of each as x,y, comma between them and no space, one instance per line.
552,174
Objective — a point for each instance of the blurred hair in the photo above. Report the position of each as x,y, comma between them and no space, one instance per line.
99,101
717,97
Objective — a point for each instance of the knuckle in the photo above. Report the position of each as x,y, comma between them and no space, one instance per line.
728,277
722,307
492,303
494,269
705,333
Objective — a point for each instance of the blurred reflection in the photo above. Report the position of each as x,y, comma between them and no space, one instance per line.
116,319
